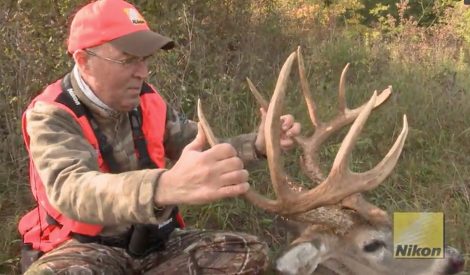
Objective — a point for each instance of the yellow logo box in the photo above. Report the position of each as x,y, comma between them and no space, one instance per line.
418,235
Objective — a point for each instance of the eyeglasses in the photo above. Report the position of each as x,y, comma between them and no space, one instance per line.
131,61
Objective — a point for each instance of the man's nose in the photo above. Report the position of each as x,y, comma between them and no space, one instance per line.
141,70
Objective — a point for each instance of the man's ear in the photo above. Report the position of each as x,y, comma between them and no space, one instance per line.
81,58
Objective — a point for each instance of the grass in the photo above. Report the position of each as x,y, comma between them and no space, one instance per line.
430,85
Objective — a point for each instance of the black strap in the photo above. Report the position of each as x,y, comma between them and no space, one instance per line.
28,256
104,146
140,240
68,98
148,238
135,118
121,240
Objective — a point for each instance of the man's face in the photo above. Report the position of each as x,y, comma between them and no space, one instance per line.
117,85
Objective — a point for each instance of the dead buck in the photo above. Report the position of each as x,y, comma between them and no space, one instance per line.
341,232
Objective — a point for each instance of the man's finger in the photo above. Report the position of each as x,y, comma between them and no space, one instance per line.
286,122
221,151
229,165
294,130
233,190
234,177
287,144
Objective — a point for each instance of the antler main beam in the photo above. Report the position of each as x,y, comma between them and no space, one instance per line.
341,183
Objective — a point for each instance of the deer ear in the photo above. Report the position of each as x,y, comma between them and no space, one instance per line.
302,258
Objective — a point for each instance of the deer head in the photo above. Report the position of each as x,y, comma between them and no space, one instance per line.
341,233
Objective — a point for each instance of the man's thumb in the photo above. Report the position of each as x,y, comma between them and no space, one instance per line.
199,141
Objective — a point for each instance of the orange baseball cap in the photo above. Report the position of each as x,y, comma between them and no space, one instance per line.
116,22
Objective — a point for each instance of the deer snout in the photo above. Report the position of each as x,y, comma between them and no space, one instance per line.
456,261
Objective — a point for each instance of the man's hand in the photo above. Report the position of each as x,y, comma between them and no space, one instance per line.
200,177
289,130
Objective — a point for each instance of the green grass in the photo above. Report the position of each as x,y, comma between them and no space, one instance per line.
430,85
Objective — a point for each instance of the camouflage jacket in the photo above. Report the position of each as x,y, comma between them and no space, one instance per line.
74,185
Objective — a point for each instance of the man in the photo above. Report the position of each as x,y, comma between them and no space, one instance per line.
97,141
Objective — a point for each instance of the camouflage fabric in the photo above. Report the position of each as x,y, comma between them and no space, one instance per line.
187,252
67,165
180,131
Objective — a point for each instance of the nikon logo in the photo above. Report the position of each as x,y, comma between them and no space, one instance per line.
415,251
418,235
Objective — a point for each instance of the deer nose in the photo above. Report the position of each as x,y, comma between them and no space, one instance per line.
455,265
456,261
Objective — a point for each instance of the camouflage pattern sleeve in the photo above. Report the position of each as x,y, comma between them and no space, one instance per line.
180,131
245,146
67,165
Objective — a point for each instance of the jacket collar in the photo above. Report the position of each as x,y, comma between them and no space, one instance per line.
98,108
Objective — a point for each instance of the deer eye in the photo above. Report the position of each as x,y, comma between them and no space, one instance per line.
373,246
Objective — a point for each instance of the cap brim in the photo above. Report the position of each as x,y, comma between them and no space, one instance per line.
142,43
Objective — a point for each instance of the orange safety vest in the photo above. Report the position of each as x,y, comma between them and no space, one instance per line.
34,226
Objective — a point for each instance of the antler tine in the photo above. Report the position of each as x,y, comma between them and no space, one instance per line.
373,178
341,182
211,139
376,175
341,185
265,105
342,90
342,157
384,95
255,198
325,130
261,101
342,105
312,108
273,133
336,187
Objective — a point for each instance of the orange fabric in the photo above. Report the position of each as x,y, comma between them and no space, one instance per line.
33,226
103,21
